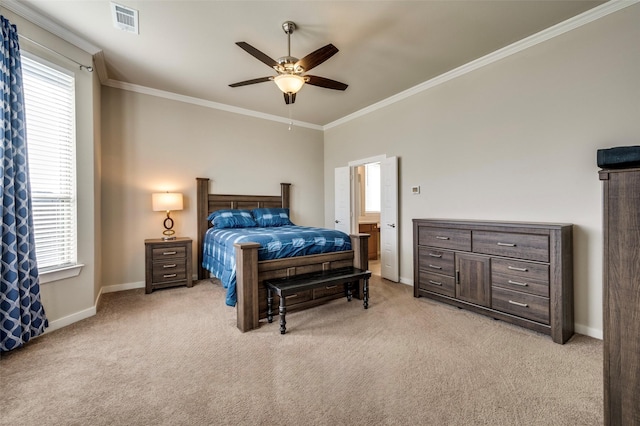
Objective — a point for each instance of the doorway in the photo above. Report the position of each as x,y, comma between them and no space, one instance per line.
348,210
366,209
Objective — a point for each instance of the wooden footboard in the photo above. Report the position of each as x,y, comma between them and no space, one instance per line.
250,273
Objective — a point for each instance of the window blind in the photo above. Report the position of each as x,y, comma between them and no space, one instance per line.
49,97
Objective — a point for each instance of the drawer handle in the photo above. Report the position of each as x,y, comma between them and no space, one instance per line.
506,244
435,282
517,283
524,305
435,267
513,268
438,237
329,287
169,275
291,296
171,265
435,255
169,253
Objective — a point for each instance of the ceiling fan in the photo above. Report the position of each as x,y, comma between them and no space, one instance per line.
291,71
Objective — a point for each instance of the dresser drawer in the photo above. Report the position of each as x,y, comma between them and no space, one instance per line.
524,305
454,239
523,246
162,253
526,277
438,261
437,283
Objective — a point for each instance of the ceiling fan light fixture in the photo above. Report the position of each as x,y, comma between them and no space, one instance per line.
289,83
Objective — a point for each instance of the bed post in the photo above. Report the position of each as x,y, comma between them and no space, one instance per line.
202,209
360,247
285,190
247,313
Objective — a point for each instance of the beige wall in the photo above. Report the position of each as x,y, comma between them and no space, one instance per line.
515,140
152,144
68,300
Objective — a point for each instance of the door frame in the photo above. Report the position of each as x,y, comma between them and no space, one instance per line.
352,166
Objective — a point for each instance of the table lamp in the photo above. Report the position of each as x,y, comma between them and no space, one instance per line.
167,201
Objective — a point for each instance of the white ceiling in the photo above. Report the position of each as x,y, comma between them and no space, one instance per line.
386,47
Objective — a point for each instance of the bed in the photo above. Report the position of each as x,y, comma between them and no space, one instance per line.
250,272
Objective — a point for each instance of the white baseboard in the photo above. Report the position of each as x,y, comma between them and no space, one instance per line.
588,331
70,319
122,287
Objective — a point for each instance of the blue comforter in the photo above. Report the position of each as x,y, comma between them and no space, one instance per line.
219,255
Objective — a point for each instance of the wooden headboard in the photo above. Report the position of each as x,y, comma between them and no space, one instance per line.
208,203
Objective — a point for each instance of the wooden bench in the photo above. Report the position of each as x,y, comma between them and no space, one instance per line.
291,285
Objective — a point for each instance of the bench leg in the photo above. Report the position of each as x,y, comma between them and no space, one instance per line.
283,311
269,305
349,292
365,297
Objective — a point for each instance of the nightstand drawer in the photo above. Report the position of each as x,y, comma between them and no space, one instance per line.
169,276
168,253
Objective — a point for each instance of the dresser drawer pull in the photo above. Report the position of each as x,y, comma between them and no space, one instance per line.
513,268
438,237
169,275
329,287
435,255
506,244
435,267
291,296
169,253
435,282
517,283
524,305
171,265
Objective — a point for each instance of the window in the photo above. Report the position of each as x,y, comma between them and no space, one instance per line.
372,187
49,97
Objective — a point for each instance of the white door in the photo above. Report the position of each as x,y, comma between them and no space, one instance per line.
343,199
389,259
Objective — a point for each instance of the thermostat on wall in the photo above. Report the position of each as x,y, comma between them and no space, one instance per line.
415,189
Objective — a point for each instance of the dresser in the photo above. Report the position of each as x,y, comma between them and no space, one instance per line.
168,263
517,272
621,296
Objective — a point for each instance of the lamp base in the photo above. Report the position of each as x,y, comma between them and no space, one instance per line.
168,238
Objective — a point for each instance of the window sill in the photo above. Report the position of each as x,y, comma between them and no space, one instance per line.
60,274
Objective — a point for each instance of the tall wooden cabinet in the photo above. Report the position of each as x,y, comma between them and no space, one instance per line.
621,296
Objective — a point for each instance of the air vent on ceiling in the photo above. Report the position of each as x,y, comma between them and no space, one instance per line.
124,18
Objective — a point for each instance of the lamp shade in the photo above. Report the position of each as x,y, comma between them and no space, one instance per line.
289,83
166,201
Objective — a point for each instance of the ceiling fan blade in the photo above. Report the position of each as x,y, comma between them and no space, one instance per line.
257,54
317,57
254,81
325,82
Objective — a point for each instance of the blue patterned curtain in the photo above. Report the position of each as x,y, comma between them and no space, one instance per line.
21,313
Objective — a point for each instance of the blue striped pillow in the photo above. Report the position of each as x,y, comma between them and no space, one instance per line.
231,218
271,217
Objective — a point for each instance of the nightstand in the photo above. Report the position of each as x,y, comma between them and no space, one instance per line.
168,263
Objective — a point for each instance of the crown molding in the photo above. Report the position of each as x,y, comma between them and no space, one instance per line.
207,104
48,25
551,32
